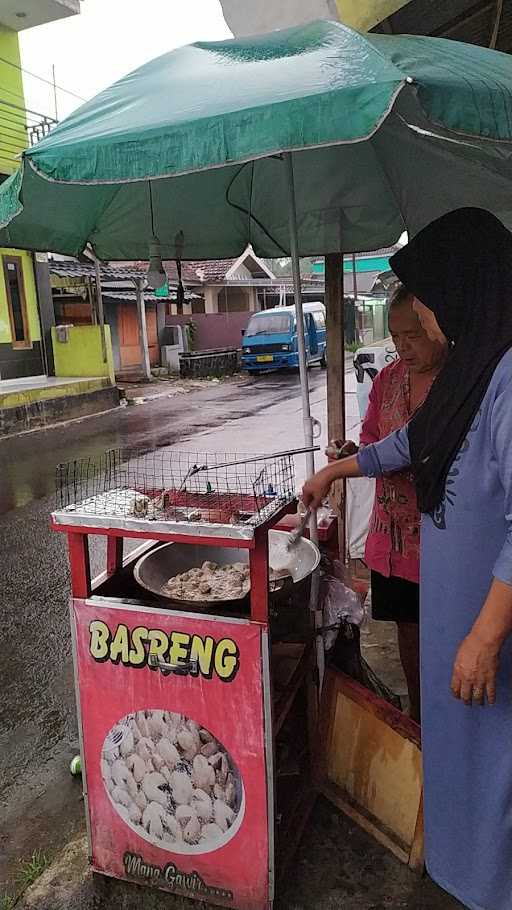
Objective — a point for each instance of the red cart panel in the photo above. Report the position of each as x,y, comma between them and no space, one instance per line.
176,768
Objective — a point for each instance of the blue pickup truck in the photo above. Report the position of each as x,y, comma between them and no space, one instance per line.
270,341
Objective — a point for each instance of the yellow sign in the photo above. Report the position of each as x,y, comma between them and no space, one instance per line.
132,648
366,14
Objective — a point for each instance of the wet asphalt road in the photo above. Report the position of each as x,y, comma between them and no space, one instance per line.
40,804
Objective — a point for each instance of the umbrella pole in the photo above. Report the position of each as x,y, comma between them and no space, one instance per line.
297,293
306,413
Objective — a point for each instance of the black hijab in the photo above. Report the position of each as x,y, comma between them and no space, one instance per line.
460,267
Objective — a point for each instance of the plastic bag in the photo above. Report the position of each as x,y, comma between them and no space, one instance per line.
338,603
346,656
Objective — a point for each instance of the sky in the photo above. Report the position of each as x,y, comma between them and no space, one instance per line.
107,40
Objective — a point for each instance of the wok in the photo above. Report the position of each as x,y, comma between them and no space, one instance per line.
155,568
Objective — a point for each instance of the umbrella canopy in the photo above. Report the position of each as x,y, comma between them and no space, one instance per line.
386,133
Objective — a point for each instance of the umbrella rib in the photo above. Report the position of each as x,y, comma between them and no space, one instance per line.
248,212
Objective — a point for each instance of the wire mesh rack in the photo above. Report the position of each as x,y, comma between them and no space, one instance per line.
175,487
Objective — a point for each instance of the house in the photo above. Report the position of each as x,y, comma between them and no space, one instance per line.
227,292
25,344
75,302
42,379
219,298
231,285
365,288
362,271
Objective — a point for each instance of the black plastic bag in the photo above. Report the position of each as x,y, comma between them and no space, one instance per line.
346,656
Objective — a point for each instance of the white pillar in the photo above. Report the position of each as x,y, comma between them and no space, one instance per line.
253,300
211,300
143,330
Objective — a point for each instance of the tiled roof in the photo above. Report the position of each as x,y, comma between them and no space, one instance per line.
211,270
69,269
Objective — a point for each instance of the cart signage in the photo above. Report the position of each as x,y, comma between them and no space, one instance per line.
175,651
175,764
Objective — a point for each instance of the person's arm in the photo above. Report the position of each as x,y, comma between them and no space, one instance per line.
476,663
385,457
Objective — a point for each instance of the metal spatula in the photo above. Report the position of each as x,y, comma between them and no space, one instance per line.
297,532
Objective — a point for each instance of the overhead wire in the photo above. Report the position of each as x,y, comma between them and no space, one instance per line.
41,79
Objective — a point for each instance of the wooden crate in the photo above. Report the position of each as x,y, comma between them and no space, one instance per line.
370,766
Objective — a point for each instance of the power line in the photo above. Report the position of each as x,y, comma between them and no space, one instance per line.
41,78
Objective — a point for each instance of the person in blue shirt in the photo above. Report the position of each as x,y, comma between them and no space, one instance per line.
459,446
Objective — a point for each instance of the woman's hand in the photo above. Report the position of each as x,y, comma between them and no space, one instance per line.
475,669
339,448
317,487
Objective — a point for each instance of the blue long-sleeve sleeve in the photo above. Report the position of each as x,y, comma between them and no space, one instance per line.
387,456
501,437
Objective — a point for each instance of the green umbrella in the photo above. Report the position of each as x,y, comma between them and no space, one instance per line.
386,133
305,141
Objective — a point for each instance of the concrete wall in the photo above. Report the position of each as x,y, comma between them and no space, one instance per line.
215,330
81,355
12,141
234,300
30,411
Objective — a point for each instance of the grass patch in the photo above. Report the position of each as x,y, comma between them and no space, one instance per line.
353,346
31,869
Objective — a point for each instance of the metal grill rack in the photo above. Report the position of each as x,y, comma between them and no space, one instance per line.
166,488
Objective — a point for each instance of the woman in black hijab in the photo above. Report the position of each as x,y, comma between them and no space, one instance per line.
459,445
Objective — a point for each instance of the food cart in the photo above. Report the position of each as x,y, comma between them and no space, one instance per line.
195,715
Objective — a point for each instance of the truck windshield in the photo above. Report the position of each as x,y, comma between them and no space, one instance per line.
269,324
